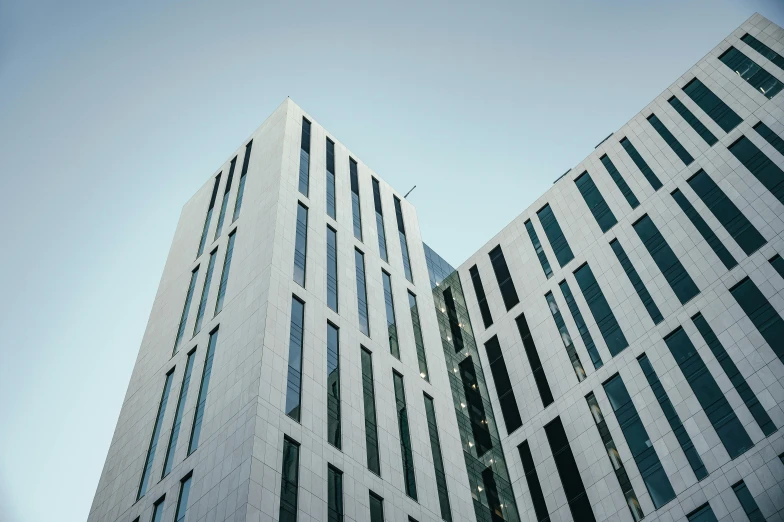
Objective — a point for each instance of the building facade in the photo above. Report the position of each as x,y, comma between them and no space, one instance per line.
615,353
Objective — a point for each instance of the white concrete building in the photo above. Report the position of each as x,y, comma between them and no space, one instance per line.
615,352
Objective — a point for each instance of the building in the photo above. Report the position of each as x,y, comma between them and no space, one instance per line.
616,351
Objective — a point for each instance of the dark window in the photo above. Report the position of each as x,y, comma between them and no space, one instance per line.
205,292
533,359
304,158
156,432
401,230
224,280
301,245
503,385
548,272
672,418
394,347
747,502
334,494
755,75
333,385
182,500
418,341
770,136
168,461
764,50
369,398
732,219
376,508
595,201
555,235
670,266
475,407
504,278
778,263
532,479
702,514
225,201
438,460
241,188
565,337
355,209
704,229
641,164
186,308
620,182
405,436
294,376
582,328
491,495
712,105
667,136
362,306
332,268
600,309
708,393
331,197
579,505
455,325
157,510
636,282
479,290
693,121
208,217
289,481
201,402
382,235
765,318
767,172
653,474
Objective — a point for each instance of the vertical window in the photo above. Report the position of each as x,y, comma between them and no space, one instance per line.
455,324
770,136
369,401
418,341
702,514
579,505
734,375
503,385
755,75
382,235
334,494
667,136
548,272
156,432
555,235
582,328
182,500
747,502
438,461
332,268
479,290
357,215
778,264
764,50
636,282
168,461
225,201
333,385
712,105
186,308
241,188
157,510
532,479
405,436
208,218
294,378
767,172
643,452
693,121
615,458
732,219
401,229
595,201
765,318
601,311
394,347
304,158
362,306
565,337
289,481
672,418
201,403
224,280
670,266
301,245
533,359
631,199
205,292
704,229
504,277
376,508
475,406
646,171
331,201
711,398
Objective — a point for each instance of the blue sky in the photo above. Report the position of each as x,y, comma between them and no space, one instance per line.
111,116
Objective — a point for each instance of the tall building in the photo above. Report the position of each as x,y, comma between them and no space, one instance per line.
615,352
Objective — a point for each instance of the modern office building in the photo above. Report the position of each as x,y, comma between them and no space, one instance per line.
615,352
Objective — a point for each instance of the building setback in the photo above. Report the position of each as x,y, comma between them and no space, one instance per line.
615,352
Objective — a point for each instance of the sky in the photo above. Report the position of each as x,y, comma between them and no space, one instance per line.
112,114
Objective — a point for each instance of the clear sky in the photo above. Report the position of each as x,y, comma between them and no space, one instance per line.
111,116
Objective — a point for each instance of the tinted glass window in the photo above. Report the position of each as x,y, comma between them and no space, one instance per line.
201,402
405,436
241,188
555,235
355,208
767,172
755,75
401,230
225,200
667,136
334,494
382,235
770,136
595,201
503,385
418,341
765,318
479,289
333,385
641,164
376,508
533,359
394,347
504,277
369,402
565,337
548,272
362,306
438,461
747,502
294,379
601,311
168,461
532,479
224,280
693,121
205,292
631,199
331,197
706,100
582,328
702,514
289,481
186,308
304,158
182,501
764,50
704,229
636,282
301,244
208,217
332,268
156,432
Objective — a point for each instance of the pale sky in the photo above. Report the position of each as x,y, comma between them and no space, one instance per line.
112,116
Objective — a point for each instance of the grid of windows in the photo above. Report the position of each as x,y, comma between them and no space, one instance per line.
747,502
208,217
294,376
770,136
636,282
582,328
565,337
333,385
224,280
241,188
764,50
304,158
362,305
186,308
355,209
595,201
289,481
579,505
601,311
401,229
382,235
201,402
438,461
532,479
389,302
767,172
156,432
765,318
555,235
704,229
369,401
405,436
418,341
205,292
479,290
533,359
712,105
503,385
548,271
331,197
301,244
646,171
225,201
671,140
620,182
168,461
332,268
693,121
750,71
504,278
334,494
182,500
